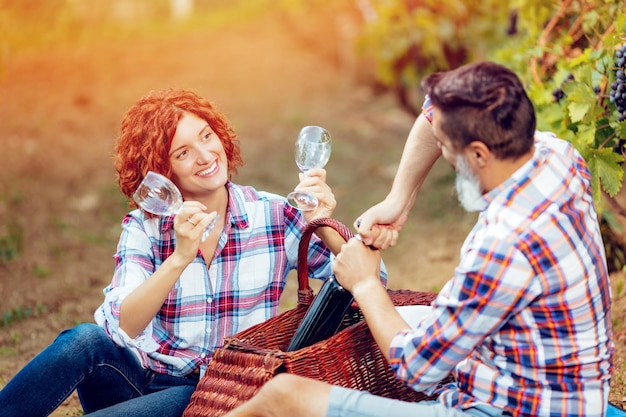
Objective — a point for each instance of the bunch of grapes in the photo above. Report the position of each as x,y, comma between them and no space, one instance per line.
558,93
618,88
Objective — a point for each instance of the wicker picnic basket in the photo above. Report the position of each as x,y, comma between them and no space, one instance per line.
349,358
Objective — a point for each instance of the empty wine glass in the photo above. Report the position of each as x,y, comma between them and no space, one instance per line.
312,150
158,195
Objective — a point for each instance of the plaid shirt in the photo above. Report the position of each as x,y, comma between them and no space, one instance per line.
241,287
525,323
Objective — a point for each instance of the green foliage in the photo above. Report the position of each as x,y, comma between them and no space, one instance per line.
569,46
21,313
11,239
11,231
565,45
6,351
40,271
563,50
409,39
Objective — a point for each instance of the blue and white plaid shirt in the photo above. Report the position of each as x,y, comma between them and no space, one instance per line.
241,287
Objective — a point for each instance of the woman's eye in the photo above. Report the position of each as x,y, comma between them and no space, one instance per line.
207,136
182,154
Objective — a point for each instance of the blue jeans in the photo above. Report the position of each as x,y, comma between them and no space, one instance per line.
109,379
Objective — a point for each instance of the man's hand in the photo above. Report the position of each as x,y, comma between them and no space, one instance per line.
356,265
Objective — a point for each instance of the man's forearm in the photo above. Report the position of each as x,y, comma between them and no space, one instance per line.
381,316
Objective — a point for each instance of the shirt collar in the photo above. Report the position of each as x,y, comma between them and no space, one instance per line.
520,175
235,212
236,206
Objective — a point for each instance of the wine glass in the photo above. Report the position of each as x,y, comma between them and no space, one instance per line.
312,150
158,195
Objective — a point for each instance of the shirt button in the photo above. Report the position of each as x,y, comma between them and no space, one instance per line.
209,300
203,355
208,330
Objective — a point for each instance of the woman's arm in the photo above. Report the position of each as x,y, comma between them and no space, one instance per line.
379,226
142,305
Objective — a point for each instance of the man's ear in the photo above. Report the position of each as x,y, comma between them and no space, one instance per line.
478,154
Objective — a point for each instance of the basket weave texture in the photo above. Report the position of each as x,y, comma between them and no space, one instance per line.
350,358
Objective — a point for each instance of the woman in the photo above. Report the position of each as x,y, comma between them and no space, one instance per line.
173,297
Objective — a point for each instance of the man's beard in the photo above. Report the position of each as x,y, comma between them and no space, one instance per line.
467,186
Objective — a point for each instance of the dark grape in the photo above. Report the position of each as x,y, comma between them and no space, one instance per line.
558,93
617,95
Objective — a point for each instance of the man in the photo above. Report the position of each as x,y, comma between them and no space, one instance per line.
524,324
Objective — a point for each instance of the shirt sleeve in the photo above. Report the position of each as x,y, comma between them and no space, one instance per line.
319,258
491,283
135,263
428,109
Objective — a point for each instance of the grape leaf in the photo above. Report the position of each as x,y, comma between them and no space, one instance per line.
605,168
621,130
587,133
581,100
596,188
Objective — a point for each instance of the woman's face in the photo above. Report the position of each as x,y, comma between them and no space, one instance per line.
198,159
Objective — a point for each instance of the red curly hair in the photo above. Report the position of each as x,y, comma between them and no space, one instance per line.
148,128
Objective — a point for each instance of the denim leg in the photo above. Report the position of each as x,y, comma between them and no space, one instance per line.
76,355
161,395
169,402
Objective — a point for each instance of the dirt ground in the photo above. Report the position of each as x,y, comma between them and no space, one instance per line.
60,210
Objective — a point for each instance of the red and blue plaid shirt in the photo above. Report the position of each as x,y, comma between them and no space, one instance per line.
525,323
241,287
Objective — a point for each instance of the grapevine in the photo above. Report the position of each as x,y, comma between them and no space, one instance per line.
569,53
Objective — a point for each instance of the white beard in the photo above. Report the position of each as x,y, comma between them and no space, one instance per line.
467,186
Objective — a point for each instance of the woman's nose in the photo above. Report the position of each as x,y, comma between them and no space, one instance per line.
204,155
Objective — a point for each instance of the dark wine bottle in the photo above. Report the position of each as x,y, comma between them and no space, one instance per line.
324,315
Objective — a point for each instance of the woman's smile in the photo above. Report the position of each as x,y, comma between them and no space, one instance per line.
210,170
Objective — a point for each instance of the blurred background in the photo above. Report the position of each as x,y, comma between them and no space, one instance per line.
69,70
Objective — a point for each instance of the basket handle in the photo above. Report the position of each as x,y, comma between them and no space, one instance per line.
305,292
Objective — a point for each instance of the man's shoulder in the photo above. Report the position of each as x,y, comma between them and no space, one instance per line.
561,153
549,141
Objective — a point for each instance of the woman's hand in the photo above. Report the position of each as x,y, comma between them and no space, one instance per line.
314,182
189,224
380,225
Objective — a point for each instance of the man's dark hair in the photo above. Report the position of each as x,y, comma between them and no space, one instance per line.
484,102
